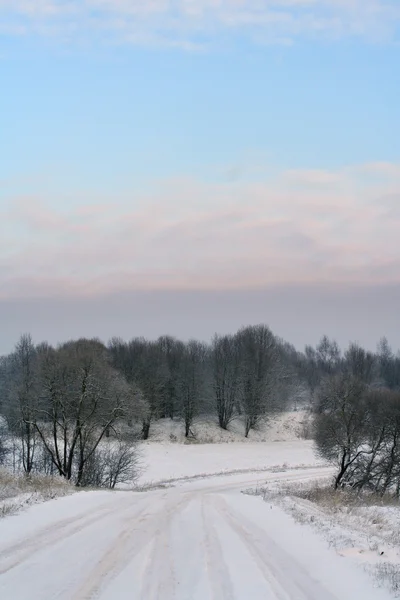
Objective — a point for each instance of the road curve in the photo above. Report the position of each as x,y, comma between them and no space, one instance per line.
197,541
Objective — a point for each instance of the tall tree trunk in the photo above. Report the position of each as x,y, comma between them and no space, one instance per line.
145,429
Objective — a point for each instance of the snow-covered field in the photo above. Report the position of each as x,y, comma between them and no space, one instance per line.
276,444
174,461
191,534
166,456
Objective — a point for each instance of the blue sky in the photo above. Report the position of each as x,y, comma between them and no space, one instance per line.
208,145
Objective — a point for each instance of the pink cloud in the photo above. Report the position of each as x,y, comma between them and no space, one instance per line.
201,236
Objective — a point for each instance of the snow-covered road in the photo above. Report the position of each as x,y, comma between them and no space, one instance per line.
200,540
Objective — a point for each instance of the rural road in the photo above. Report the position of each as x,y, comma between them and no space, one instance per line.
197,541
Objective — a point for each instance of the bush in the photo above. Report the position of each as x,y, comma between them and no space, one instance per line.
112,463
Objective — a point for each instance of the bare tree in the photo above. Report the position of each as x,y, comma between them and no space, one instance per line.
382,472
328,356
136,406
391,462
389,365
142,363
226,377
259,359
340,422
360,363
366,469
22,401
358,429
172,351
191,382
82,398
290,389
310,370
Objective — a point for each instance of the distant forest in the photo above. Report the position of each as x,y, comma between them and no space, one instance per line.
61,403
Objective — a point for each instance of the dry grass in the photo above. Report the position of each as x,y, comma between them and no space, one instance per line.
326,496
323,494
11,485
8,509
388,575
17,491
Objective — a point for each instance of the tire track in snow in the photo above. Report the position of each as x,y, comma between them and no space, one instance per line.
13,556
157,484
136,535
288,579
274,477
112,561
217,569
159,579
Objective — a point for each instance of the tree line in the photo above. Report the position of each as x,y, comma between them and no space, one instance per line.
236,375
60,405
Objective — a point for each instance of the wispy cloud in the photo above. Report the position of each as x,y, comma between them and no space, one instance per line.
194,23
299,227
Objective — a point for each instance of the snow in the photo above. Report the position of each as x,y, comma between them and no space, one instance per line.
197,540
198,537
368,536
164,460
283,427
172,461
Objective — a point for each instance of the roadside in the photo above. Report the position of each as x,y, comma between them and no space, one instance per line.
19,491
363,528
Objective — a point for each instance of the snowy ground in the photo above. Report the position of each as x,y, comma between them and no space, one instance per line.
363,529
174,461
163,460
283,427
199,540
166,456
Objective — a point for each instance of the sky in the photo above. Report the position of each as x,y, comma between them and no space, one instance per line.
192,166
